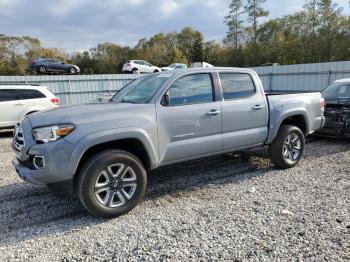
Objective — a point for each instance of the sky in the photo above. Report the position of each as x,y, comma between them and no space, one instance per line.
77,25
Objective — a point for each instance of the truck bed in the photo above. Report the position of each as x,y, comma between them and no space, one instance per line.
306,105
286,92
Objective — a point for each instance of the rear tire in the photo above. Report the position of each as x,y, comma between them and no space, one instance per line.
135,71
111,183
156,71
288,147
42,69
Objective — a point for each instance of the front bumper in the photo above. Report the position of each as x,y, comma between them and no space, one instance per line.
334,130
29,175
56,158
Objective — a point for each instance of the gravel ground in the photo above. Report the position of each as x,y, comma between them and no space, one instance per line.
221,208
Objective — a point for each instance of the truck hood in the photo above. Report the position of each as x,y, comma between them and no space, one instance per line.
89,114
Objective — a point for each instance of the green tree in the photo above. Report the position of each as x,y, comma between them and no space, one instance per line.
329,14
235,23
109,58
254,10
191,43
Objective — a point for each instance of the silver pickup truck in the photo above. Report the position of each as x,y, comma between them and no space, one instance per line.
103,151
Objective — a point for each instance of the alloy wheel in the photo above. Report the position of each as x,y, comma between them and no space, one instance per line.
115,185
291,147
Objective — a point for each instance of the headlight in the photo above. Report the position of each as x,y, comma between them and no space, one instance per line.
51,133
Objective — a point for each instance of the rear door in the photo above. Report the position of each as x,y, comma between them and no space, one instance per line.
189,125
148,67
50,64
141,66
244,111
11,107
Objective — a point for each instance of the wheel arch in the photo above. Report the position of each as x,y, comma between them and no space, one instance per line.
135,142
298,119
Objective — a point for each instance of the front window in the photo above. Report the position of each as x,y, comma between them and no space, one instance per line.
141,90
192,89
172,66
337,90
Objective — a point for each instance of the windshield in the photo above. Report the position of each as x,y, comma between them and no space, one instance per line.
337,90
141,90
172,65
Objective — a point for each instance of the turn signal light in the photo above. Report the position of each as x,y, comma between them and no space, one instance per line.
63,131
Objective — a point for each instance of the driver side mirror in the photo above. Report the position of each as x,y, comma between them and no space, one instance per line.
165,99
63,63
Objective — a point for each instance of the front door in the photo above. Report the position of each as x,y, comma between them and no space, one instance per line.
189,124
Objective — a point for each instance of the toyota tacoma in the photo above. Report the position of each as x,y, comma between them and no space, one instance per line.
102,152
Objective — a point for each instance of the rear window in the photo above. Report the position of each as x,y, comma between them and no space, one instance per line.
9,95
31,94
236,85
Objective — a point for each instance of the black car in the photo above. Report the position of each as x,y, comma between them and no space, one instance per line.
52,65
337,109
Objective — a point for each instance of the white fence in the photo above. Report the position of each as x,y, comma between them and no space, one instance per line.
303,77
77,89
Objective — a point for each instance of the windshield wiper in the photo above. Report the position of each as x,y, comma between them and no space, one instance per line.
128,102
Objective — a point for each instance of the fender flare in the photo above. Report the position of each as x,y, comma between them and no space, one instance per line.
101,137
278,122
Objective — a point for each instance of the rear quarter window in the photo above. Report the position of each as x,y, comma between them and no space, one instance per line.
30,94
9,95
237,85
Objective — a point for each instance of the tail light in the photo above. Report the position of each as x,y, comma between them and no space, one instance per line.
32,62
128,64
322,103
55,101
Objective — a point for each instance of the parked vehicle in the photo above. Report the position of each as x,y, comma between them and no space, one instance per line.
139,66
103,151
201,64
337,109
174,66
52,65
18,101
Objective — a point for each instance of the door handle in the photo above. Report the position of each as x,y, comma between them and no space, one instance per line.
19,104
257,107
213,112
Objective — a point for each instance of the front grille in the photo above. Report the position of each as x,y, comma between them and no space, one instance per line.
18,139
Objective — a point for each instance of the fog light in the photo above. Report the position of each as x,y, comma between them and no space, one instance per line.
39,162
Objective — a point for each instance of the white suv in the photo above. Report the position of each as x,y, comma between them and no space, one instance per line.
140,66
18,101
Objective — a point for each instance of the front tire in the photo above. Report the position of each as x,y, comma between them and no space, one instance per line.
72,71
288,147
111,183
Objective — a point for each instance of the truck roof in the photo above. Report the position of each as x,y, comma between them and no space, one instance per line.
206,69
